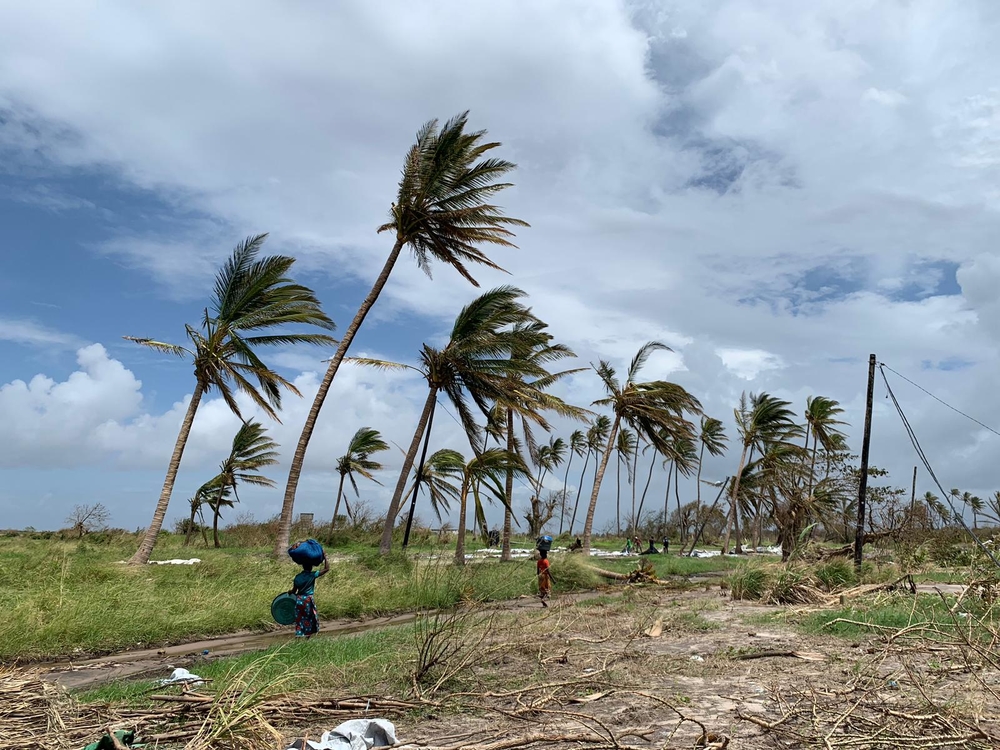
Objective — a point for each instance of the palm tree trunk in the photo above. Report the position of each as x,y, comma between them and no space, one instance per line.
598,478
642,500
336,507
732,504
141,556
190,527
635,468
215,525
579,490
460,543
416,479
618,494
562,502
666,498
508,512
681,528
385,546
295,470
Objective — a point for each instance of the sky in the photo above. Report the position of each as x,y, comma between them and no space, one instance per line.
774,189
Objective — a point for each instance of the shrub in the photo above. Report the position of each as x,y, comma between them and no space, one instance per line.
748,582
836,574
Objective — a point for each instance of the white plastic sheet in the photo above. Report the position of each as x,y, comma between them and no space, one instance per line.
357,734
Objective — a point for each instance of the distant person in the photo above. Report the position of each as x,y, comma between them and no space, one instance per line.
652,549
494,540
628,547
303,587
666,545
544,577
576,545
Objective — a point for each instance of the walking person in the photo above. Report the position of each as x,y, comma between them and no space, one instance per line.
303,588
544,577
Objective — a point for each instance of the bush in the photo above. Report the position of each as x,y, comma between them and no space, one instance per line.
836,574
749,582
572,573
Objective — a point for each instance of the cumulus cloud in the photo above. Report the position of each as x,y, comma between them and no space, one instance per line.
773,190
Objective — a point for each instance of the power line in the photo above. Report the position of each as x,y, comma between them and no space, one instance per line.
939,400
923,458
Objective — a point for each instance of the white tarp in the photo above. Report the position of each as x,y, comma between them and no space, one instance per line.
357,734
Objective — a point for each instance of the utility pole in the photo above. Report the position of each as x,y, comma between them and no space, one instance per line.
859,536
913,496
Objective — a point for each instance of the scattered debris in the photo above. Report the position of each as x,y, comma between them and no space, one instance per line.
357,734
181,675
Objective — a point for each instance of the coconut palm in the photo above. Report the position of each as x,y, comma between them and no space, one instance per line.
685,460
253,301
485,471
652,409
625,448
993,503
251,451
366,442
442,212
711,438
597,435
975,504
440,468
548,458
203,496
475,364
577,447
760,420
821,424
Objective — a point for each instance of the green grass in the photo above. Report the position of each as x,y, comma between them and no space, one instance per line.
61,597
363,662
670,565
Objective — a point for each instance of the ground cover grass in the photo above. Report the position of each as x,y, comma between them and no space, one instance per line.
60,598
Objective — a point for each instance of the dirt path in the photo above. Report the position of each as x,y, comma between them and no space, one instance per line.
86,673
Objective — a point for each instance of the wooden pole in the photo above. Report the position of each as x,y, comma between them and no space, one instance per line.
859,535
913,495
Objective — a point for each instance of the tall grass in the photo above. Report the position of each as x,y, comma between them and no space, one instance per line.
60,597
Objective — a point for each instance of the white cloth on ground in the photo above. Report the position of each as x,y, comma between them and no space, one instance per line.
357,734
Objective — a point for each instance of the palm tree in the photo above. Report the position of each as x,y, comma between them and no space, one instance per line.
357,460
761,420
203,496
993,503
976,505
625,447
548,458
685,458
653,410
711,438
821,413
253,297
486,470
442,212
577,447
597,434
476,364
440,468
252,450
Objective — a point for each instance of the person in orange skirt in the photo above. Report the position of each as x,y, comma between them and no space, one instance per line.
544,577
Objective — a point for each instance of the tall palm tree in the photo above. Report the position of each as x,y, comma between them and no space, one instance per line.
597,435
475,364
253,301
975,504
685,458
252,450
577,447
821,424
625,447
366,442
653,410
549,457
760,420
442,212
711,438
485,471
439,470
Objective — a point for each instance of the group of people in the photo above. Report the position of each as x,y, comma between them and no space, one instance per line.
633,547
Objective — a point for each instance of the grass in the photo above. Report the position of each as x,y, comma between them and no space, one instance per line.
378,659
671,565
61,598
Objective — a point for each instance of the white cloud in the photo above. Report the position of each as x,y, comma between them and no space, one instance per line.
748,363
21,331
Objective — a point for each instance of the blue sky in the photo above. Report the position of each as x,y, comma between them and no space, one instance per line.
772,190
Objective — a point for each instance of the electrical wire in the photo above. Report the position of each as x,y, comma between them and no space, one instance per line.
923,458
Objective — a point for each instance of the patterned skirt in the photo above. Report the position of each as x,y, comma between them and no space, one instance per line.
306,620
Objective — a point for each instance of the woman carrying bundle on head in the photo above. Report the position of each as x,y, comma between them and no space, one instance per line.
303,587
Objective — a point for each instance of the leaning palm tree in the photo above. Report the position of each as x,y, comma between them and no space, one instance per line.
577,447
252,450
357,460
626,446
203,496
526,400
760,420
653,410
476,364
253,302
439,470
821,424
547,458
711,438
485,471
597,435
442,212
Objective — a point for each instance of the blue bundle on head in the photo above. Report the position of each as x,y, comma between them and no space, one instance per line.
544,543
309,552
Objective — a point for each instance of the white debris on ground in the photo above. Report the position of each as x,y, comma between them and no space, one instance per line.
176,561
357,734
181,675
